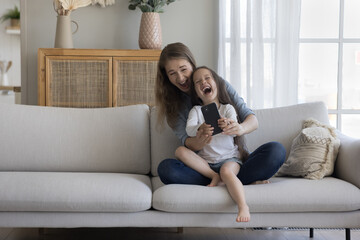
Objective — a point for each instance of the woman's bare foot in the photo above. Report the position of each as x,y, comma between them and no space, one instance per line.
261,182
215,180
243,214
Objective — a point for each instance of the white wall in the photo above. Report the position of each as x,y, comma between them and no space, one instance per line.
10,51
193,22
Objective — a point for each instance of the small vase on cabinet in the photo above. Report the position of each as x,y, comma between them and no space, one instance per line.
150,31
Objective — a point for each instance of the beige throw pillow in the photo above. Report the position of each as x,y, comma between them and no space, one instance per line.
313,152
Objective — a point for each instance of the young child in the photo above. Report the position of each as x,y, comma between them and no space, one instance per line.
219,160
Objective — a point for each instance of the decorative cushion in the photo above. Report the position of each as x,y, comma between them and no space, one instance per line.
313,152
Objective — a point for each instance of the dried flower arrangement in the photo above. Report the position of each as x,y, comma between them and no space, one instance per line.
65,7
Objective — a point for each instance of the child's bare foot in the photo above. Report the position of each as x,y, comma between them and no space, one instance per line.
215,180
261,182
243,214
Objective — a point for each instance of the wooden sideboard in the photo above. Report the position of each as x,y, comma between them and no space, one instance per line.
90,78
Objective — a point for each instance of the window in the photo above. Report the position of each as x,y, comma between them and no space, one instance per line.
258,50
329,60
324,47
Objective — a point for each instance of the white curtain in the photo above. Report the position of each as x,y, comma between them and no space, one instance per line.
259,48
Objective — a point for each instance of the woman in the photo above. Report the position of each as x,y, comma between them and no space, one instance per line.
173,102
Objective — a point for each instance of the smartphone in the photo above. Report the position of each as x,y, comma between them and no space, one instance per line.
211,116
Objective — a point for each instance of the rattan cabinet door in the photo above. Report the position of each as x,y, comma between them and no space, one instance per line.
84,82
134,80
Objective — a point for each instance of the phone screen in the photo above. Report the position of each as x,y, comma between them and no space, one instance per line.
211,116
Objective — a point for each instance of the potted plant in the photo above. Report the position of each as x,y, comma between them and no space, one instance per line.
13,15
150,27
149,5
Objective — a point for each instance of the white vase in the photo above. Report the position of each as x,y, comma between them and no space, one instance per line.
63,36
5,80
4,68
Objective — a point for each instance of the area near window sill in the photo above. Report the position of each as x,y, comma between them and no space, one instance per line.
11,88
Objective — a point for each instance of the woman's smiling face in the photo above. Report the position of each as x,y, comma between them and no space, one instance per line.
205,86
179,72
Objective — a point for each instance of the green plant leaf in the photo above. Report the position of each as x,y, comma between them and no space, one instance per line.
132,7
149,5
145,8
11,14
159,7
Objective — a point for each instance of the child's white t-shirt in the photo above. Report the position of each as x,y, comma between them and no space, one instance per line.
221,146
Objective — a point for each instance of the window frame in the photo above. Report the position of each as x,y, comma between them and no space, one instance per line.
340,41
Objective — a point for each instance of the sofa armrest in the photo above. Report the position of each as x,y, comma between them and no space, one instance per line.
347,166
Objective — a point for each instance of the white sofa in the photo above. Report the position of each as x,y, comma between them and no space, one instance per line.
68,168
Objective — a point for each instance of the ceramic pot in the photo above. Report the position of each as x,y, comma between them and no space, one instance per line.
4,68
150,31
14,22
5,80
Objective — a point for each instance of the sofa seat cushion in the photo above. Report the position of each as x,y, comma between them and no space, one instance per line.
281,195
74,192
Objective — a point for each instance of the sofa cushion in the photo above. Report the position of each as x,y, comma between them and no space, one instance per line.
313,152
163,142
281,195
281,124
72,139
74,192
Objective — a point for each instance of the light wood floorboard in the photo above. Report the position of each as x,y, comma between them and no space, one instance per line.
172,234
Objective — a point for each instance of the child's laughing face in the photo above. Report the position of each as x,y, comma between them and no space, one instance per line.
205,86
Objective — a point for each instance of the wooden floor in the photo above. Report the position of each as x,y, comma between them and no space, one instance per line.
172,234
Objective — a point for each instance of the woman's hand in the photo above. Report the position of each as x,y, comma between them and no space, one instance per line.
231,127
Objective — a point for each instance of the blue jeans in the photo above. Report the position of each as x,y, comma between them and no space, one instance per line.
262,164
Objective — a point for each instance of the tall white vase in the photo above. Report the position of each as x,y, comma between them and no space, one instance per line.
5,80
63,36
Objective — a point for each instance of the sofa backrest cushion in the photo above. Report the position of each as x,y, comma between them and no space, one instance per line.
281,124
34,138
163,142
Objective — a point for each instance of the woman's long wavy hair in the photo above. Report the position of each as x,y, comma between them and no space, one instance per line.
168,98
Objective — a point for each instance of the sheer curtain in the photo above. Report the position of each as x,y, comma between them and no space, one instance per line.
259,48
